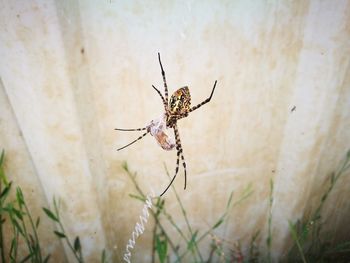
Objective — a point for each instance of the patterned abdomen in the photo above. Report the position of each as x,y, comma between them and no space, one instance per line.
180,102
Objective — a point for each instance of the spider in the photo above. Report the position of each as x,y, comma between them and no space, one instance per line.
178,107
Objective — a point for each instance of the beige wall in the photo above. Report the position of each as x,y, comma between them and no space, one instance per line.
72,71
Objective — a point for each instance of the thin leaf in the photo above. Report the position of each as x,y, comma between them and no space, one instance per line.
125,166
13,249
254,250
56,206
3,177
27,258
6,191
19,196
161,248
32,242
37,222
138,197
59,234
191,244
221,220
333,178
296,240
255,236
17,213
247,192
268,241
2,156
160,205
77,246
103,256
50,214
271,185
2,173
17,226
229,200
305,230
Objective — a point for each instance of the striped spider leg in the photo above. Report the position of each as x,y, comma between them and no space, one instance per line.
179,154
139,138
179,106
157,128
176,108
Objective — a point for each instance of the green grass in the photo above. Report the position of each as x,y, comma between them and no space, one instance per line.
190,238
24,228
309,242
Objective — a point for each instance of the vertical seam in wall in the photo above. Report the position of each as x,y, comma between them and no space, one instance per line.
13,113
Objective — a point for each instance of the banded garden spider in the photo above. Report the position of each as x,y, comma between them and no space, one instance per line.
178,107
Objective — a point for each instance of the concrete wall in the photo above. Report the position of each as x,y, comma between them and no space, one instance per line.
72,71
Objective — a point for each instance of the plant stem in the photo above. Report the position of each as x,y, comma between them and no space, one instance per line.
25,236
170,219
34,231
63,231
2,247
244,196
154,242
154,215
184,215
295,237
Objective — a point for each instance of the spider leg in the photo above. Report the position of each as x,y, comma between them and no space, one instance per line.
179,146
176,171
161,96
206,101
178,117
184,165
139,138
179,153
137,129
164,80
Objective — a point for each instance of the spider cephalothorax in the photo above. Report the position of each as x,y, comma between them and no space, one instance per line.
178,107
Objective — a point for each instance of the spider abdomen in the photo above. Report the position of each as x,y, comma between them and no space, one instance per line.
180,102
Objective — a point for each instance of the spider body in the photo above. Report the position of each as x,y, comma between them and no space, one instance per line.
175,108
180,102
179,106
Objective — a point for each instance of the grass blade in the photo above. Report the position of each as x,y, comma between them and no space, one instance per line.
221,220
2,157
296,240
6,191
192,243
161,248
59,234
37,223
77,246
103,256
50,214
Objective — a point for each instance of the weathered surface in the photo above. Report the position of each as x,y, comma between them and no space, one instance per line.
73,71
